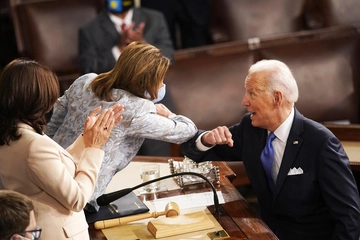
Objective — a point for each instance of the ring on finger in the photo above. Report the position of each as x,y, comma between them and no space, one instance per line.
105,128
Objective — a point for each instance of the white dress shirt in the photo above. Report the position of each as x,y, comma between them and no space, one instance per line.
279,143
117,23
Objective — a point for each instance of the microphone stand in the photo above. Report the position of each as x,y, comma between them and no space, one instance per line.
106,199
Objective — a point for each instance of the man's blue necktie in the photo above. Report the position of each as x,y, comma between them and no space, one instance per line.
267,159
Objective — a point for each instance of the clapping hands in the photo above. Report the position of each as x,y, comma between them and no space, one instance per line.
97,127
131,34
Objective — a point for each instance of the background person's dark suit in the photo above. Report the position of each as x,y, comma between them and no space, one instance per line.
98,37
321,203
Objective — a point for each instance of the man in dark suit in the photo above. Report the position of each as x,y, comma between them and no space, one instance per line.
102,39
309,191
118,24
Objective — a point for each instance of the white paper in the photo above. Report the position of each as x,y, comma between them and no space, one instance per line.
187,201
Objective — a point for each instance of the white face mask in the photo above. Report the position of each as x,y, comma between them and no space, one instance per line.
161,94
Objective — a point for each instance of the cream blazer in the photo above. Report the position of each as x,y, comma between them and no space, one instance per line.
59,181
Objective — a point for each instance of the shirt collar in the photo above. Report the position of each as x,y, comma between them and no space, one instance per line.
282,132
118,21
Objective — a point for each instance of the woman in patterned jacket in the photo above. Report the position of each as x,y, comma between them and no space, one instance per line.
136,82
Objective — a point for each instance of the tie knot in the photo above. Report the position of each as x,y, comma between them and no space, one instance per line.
123,27
271,137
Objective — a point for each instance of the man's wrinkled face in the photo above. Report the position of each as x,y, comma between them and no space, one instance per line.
258,101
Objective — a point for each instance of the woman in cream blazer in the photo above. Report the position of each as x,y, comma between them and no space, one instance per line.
58,181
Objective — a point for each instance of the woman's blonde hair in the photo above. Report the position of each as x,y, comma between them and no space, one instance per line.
140,68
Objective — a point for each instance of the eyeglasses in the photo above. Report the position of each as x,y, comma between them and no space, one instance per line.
35,233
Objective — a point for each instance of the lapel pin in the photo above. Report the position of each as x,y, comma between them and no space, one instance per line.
295,142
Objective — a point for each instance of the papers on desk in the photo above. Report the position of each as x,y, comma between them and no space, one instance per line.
186,201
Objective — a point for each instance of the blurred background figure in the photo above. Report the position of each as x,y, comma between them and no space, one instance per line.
17,217
119,23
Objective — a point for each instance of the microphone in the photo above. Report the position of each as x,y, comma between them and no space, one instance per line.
106,199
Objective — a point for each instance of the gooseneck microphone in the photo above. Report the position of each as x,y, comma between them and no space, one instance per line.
106,199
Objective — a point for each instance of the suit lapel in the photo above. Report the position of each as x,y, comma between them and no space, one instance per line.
137,17
292,147
108,26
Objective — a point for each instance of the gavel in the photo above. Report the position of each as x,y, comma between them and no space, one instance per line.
171,209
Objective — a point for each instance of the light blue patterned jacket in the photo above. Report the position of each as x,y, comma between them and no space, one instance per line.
140,121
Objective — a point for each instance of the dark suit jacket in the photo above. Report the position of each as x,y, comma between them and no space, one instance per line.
98,37
321,203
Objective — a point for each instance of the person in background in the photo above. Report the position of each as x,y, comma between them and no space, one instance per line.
17,219
102,40
302,179
137,82
188,20
59,182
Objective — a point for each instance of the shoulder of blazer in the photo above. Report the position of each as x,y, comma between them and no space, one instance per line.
316,129
143,14
29,135
101,17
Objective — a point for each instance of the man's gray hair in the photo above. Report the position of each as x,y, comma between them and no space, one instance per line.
279,77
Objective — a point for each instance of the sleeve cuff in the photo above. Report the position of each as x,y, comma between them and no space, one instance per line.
199,144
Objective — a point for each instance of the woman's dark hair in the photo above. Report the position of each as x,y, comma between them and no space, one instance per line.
28,90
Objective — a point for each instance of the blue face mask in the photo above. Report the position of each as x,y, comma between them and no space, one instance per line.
161,94
119,6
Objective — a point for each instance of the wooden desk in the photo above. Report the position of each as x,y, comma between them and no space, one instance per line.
237,217
352,149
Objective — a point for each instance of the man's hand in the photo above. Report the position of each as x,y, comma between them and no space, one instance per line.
219,135
134,34
131,34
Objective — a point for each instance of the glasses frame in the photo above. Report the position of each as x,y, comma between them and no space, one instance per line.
36,233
